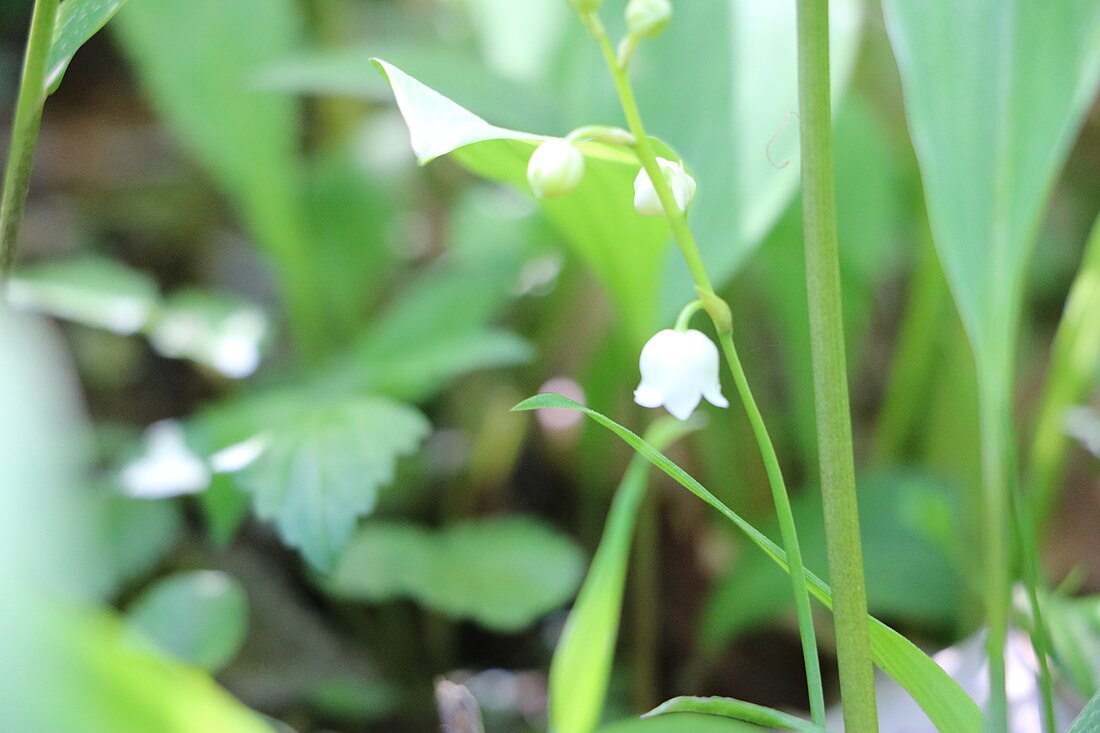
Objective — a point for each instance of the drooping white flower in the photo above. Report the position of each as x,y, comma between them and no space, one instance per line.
168,468
682,185
647,18
679,369
555,168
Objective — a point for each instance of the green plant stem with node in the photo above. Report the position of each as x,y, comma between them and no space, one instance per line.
720,315
24,131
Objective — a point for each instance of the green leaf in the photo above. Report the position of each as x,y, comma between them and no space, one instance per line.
77,22
581,667
679,724
945,703
92,291
323,464
504,573
597,218
729,708
1074,627
991,128
906,522
1089,719
137,536
198,617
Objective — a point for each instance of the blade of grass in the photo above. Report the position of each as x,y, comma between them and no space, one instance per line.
738,710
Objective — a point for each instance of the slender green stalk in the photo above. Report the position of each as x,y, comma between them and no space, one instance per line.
834,430
719,313
994,414
24,131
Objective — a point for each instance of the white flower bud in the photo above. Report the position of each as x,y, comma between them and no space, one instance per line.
682,185
555,168
585,6
647,18
679,369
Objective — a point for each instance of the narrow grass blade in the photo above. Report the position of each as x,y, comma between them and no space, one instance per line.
738,710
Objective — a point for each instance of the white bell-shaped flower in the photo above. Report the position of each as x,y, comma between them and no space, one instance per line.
555,168
679,369
682,185
168,467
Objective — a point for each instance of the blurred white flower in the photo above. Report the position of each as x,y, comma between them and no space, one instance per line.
555,168
168,468
239,456
682,185
647,18
679,368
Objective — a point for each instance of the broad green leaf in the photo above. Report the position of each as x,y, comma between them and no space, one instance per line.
1074,628
77,22
680,724
581,667
992,116
1089,719
945,703
738,710
137,536
504,573
597,218
909,541
322,465
93,291
224,507
198,617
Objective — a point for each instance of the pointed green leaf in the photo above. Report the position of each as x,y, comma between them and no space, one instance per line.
504,573
738,710
597,218
198,617
992,116
322,465
945,703
77,22
1089,719
581,668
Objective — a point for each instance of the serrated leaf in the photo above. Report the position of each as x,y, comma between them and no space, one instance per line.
198,617
597,218
945,703
93,291
504,573
77,22
323,465
581,668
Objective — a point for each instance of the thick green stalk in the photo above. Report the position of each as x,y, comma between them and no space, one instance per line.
720,314
834,430
24,131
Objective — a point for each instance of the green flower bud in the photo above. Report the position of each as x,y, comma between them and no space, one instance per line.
555,168
647,18
585,6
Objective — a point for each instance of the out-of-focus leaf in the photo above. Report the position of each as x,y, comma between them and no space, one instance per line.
598,217
323,462
77,22
1089,719
504,573
1074,628
199,617
223,333
991,128
738,710
581,668
224,506
903,518
93,291
949,707
137,535
679,724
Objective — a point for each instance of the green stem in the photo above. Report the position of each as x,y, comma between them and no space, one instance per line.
719,313
994,413
838,487
24,133
786,528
